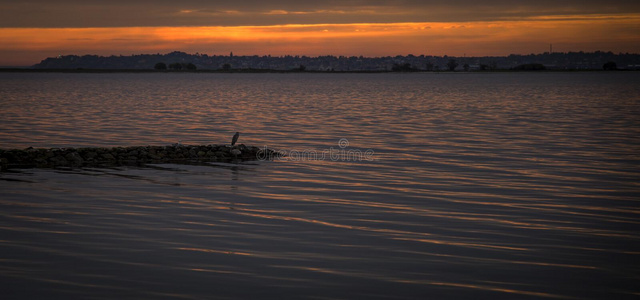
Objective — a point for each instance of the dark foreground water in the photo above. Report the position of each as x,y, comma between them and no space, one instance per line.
397,186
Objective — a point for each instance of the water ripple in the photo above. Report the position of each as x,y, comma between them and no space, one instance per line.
493,186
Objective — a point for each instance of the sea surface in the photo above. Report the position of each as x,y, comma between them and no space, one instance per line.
395,186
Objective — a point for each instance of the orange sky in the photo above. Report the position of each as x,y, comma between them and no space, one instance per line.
523,35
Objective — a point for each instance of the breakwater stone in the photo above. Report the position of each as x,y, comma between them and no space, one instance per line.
97,156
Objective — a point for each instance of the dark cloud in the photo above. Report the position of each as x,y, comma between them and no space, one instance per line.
122,13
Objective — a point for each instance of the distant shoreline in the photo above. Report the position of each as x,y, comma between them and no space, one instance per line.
266,71
82,70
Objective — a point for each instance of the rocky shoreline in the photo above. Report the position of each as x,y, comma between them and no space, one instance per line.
139,155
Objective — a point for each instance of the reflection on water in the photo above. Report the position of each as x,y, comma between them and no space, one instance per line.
481,186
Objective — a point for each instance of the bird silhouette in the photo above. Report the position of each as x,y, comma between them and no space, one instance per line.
235,138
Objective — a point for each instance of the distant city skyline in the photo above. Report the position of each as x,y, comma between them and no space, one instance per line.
180,61
32,30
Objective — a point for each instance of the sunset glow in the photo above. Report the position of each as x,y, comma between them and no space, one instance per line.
502,36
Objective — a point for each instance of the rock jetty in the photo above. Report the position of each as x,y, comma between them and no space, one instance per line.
81,157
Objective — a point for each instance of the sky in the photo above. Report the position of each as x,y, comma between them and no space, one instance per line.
32,30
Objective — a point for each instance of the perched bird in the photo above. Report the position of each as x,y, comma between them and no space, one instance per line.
235,138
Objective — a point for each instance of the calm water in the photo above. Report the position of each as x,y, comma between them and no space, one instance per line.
486,186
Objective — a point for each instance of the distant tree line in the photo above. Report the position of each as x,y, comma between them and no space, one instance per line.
407,63
610,66
405,67
530,67
452,64
175,66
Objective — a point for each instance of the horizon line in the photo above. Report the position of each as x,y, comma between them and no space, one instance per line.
316,56
309,56
363,56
